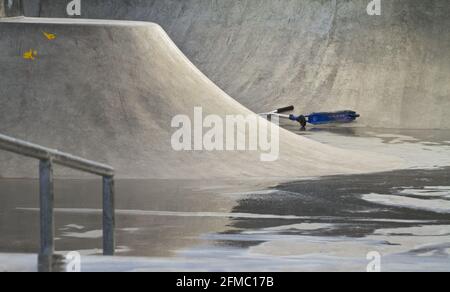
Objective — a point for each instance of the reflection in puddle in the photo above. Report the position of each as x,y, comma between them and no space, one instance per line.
436,205
323,224
87,234
418,148
430,191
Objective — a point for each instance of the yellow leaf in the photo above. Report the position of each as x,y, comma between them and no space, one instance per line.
49,36
30,55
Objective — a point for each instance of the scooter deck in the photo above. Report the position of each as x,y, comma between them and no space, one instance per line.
335,117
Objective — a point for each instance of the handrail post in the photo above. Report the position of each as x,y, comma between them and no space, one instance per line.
47,229
47,158
108,216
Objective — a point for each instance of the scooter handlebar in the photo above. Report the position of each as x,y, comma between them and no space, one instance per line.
284,109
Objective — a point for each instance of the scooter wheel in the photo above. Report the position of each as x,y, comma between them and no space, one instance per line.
302,121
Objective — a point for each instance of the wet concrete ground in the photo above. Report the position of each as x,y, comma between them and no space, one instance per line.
326,224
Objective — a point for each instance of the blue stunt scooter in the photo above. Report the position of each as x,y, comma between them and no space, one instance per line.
320,118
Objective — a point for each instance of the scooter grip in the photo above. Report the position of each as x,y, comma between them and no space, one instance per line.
285,109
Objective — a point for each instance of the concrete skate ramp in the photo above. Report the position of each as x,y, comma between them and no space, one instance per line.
108,90
318,55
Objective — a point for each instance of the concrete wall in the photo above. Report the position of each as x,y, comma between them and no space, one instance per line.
32,8
10,8
315,54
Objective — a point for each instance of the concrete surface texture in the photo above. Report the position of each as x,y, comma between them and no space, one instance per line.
108,90
317,55
9,8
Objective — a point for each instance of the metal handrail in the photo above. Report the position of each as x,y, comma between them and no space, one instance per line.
47,157
42,153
